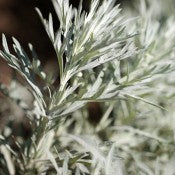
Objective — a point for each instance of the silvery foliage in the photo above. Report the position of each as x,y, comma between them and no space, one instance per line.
86,42
130,56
